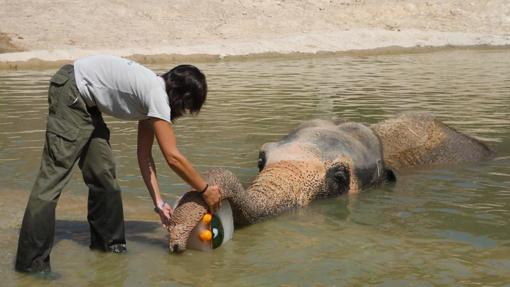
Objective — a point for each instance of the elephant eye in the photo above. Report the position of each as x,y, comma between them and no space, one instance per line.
262,160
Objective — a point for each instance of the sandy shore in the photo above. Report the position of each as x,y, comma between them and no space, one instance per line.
36,32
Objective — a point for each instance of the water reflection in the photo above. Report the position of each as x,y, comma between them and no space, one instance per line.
437,226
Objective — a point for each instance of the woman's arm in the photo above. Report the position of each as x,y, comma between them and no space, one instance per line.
180,165
148,169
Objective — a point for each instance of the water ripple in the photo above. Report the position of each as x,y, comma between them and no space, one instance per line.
441,226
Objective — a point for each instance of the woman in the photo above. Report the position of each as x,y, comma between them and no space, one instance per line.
76,132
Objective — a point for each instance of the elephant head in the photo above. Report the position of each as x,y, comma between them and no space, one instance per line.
321,158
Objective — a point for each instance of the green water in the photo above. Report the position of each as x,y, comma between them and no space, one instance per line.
436,226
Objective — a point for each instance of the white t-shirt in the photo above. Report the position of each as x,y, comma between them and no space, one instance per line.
121,88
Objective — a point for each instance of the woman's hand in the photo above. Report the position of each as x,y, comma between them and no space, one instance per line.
212,196
165,212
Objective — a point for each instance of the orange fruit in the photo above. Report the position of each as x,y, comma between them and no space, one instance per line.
205,235
207,218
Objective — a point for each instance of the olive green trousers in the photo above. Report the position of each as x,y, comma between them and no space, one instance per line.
74,133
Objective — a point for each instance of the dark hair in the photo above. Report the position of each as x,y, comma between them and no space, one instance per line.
186,88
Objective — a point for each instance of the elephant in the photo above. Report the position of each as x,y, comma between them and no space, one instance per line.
418,139
326,158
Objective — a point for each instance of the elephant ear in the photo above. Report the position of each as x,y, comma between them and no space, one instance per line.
417,138
337,179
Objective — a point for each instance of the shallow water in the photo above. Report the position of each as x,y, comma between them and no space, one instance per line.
435,226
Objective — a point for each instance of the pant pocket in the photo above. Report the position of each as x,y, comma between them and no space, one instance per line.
61,140
61,151
59,79
61,85
62,128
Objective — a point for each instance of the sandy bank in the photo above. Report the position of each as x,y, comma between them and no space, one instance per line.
212,29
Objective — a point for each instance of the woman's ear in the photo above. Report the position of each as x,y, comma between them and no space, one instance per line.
187,100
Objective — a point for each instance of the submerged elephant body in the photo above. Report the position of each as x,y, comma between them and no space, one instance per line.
323,158
417,139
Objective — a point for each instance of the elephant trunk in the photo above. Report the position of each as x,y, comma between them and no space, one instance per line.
278,187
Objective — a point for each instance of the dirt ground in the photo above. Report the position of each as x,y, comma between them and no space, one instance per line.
59,30
6,45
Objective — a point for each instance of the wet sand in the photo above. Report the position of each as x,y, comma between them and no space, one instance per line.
44,32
